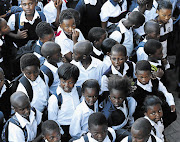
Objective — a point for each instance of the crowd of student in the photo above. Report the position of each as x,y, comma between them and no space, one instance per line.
96,72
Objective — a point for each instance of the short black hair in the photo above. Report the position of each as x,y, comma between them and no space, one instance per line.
95,34
151,100
1,71
136,18
49,125
91,83
97,119
143,65
164,4
29,59
67,71
119,83
107,44
151,26
76,15
43,29
151,46
142,2
65,15
119,48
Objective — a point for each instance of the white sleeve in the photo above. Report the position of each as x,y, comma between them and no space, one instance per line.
134,70
117,36
64,46
50,18
81,37
39,116
104,83
132,106
112,133
103,14
169,96
11,22
125,139
22,89
80,140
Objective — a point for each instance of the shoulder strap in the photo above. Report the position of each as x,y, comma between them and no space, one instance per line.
129,139
155,85
153,138
78,88
130,70
59,98
126,102
110,136
86,138
43,18
123,34
108,72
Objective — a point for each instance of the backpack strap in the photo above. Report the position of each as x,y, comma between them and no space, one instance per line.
123,34
130,70
153,138
60,100
129,138
126,102
110,136
43,18
78,88
18,25
86,138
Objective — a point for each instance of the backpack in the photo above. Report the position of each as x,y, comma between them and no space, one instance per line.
15,121
152,137
87,140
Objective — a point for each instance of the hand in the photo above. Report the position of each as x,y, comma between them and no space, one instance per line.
58,4
173,108
22,34
159,73
75,36
165,62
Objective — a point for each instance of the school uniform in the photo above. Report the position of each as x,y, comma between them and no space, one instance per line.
16,134
151,14
79,122
94,71
112,9
159,64
141,55
97,54
107,139
128,40
129,70
157,128
40,92
107,60
149,140
65,43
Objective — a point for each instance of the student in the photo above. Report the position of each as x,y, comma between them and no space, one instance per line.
124,33
141,132
90,67
89,105
62,112
77,16
27,117
153,113
98,130
152,31
37,88
120,65
118,108
23,24
106,46
165,21
67,35
147,86
96,36
50,131
52,52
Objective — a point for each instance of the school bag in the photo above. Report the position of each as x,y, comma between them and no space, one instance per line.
152,137
15,121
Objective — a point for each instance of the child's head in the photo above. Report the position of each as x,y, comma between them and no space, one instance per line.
45,32
67,22
145,3
90,91
76,15
164,11
82,50
4,28
52,52
98,126
152,108
96,35
51,131
68,75
143,71
30,66
1,78
152,30
28,7
118,56
153,48
21,104
107,44
141,130
119,89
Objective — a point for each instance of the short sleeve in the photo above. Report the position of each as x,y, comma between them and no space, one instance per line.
11,22
104,15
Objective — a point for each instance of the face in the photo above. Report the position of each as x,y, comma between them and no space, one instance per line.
28,7
57,56
53,136
5,29
76,55
99,132
1,80
46,38
137,136
117,59
99,42
31,72
154,113
164,15
91,96
143,76
158,55
117,97
154,35
67,85
68,25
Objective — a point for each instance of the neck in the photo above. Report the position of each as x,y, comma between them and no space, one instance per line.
142,9
86,62
97,47
152,59
29,17
52,62
127,24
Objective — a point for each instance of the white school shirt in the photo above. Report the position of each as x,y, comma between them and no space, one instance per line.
63,115
128,40
149,140
97,52
40,92
3,90
50,11
65,43
107,61
104,79
11,21
159,63
94,71
79,122
159,127
107,139
109,10
162,88
16,134
141,55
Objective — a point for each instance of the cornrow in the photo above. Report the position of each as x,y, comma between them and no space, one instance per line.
65,14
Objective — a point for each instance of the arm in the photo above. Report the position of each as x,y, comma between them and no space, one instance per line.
104,25
58,5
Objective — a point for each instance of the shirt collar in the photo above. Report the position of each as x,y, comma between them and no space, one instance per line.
123,29
97,52
91,2
87,109
155,4
146,87
36,82
52,67
3,90
39,43
60,91
114,71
